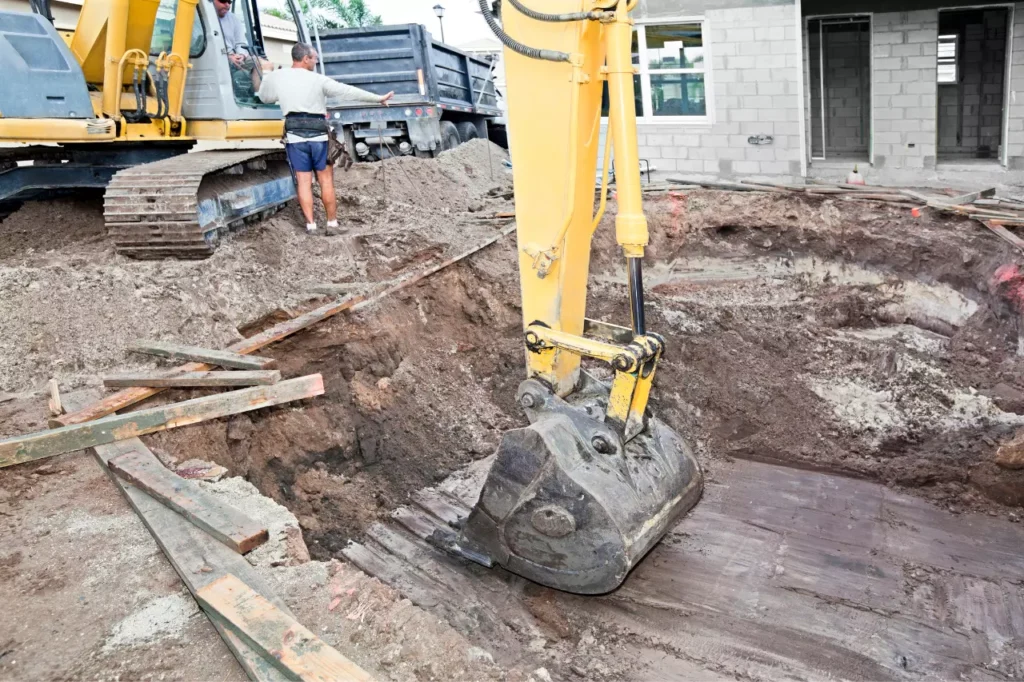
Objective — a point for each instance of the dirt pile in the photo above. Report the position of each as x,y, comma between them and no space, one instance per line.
70,305
470,177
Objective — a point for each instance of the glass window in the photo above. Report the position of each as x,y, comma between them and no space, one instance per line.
678,94
948,71
163,30
678,46
672,76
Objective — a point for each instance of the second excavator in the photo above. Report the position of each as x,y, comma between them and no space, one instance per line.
574,500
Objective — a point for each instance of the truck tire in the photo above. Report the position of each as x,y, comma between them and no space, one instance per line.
467,131
449,136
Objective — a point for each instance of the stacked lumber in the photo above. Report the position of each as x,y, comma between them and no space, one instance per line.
814,188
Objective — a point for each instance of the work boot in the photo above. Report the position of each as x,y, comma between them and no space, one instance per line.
333,229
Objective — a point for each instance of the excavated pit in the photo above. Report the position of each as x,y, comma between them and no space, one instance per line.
839,336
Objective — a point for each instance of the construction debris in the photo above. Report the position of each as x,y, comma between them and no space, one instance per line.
296,651
177,351
192,379
119,427
56,408
143,470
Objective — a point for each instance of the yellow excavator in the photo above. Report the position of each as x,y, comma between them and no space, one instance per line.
574,500
119,102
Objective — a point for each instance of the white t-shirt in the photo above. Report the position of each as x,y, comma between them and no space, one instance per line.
300,90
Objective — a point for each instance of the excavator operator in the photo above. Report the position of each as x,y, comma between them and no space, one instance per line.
246,72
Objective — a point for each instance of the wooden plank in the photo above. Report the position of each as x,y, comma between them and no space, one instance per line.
55,405
1004,234
130,396
197,558
222,358
225,523
299,653
971,197
193,379
119,427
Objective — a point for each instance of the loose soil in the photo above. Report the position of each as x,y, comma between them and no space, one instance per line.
816,333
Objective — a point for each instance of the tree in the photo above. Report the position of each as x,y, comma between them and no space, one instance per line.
325,14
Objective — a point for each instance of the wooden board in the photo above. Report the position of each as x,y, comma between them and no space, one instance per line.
298,653
1004,234
197,558
192,379
225,523
130,396
222,358
777,574
119,427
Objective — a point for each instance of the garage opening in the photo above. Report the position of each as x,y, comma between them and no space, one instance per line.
971,83
840,87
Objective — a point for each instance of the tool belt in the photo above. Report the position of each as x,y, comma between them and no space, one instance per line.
308,124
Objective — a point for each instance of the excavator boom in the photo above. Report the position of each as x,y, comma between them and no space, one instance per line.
578,497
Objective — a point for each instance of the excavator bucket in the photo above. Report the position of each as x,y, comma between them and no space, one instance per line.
566,504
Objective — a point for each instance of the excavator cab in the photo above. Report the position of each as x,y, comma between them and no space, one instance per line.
576,499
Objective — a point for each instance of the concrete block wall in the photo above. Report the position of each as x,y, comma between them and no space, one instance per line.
754,79
904,72
1015,116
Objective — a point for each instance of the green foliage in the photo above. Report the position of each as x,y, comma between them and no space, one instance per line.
325,14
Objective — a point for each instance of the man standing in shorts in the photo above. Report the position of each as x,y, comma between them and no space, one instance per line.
302,94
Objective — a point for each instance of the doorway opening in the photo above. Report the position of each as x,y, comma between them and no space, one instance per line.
840,79
971,83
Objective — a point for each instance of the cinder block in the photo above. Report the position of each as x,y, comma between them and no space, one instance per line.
692,166
784,102
888,138
651,152
725,166
746,167
888,64
686,140
770,88
733,153
667,165
760,153
881,51
675,152
908,50
712,165
740,35
923,36
715,141
757,102
924,63
659,140
906,101
775,167
887,89
758,75
742,115
742,62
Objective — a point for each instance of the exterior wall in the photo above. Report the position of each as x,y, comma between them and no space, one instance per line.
904,72
1015,124
754,80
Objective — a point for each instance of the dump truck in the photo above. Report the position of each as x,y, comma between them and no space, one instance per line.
443,96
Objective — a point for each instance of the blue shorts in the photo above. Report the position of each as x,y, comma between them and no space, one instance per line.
306,157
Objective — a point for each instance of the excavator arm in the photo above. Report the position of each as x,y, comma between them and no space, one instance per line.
578,497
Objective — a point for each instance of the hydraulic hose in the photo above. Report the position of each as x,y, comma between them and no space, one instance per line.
516,46
574,16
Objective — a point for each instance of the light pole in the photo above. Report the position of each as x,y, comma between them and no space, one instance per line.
439,12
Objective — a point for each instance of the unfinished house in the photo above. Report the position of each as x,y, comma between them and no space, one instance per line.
906,91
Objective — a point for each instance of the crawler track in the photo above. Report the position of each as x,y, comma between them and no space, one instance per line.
153,210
